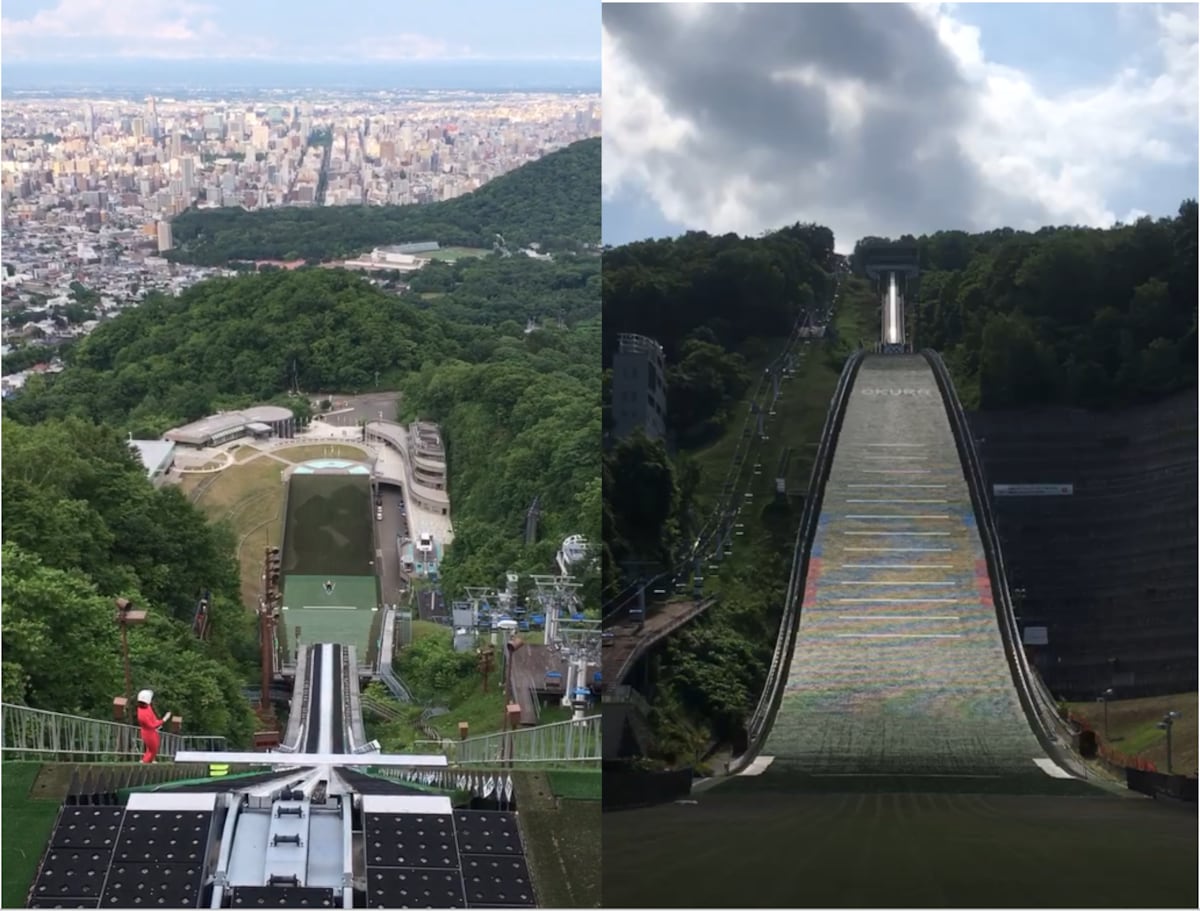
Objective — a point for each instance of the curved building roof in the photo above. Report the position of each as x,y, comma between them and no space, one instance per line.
266,413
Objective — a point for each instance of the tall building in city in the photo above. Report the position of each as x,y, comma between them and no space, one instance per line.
165,241
187,173
89,120
639,387
152,118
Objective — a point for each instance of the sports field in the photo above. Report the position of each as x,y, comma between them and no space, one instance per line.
328,538
327,529
342,613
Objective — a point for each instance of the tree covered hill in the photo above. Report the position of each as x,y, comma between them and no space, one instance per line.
226,341
229,341
82,526
1076,316
703,298
554,201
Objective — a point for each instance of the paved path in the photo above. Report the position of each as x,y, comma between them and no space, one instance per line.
629,639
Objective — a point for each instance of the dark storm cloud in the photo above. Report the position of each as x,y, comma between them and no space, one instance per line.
902,168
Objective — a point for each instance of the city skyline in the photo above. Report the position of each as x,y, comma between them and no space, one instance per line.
895,119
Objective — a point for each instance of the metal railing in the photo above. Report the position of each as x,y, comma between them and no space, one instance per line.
387,646
549,744
379,707
1052,730
768,704
38,734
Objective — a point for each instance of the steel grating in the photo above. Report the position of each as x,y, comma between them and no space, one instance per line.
410,840
487,832
284,897
400,887
495,880
471,858
164,836
152,885
87,827
68,874
158,860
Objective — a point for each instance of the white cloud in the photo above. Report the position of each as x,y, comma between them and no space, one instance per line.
124,28
1069,152
1031,157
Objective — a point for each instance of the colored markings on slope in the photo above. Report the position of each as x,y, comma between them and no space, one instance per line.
819,538
810,584
983,584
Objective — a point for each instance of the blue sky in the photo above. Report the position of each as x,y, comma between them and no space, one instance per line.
949,116
301,29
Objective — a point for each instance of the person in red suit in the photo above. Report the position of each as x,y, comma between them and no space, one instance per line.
150,724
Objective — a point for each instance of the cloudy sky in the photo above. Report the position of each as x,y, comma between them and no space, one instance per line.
291,30
890,119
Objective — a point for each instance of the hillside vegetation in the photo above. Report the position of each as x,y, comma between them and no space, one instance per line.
714,304
722,308
554,201
1076,316
82,524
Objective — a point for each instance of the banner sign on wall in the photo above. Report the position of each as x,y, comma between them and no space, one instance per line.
1036,635
1033,490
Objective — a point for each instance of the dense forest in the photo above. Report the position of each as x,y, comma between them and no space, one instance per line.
521,417
554,202
82,526
711,302
227,342
520,412
1076,316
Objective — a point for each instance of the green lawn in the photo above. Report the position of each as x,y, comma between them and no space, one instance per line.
25,826
452,253
900,850
1133,728
562,840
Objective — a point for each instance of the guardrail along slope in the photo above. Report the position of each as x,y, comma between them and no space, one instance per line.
899,665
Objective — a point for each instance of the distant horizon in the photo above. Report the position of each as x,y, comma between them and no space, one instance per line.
200,74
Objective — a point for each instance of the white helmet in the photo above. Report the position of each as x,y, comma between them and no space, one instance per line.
146,696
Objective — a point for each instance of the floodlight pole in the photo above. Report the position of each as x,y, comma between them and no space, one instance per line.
126,615
1104,697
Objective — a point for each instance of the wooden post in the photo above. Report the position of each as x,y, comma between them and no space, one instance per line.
463,729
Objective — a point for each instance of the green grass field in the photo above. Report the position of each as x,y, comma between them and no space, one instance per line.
346,615
452,253
25,826
328,528
562,840
1132,728
900,850
249,496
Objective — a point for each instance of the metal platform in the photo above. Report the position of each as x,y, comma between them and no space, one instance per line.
463,859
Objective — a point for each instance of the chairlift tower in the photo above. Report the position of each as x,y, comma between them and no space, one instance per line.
555,593
579,643
478,595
